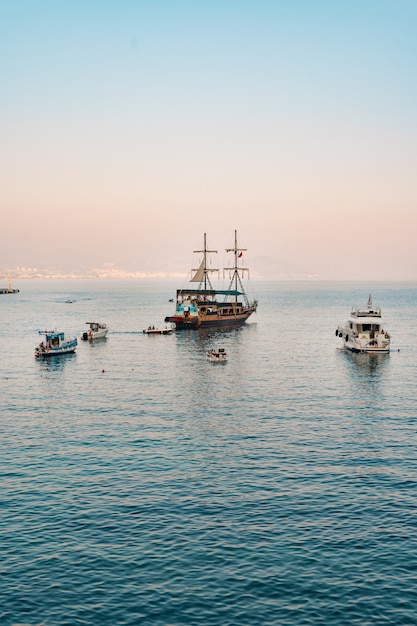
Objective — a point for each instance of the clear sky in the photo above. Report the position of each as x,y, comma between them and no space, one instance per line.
129,128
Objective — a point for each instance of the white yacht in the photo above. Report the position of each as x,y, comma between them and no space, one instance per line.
364,330
96,331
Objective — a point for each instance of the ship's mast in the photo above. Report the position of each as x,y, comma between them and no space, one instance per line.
203,271
236,280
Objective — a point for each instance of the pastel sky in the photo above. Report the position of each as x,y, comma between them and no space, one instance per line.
131,127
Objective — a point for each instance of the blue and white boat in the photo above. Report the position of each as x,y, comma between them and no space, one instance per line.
55,344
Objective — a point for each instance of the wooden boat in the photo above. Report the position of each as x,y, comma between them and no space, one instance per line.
206,306
55,344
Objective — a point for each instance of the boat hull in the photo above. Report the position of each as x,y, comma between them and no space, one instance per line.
52,353
208,321
356,350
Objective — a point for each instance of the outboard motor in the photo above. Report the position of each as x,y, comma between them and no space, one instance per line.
85,336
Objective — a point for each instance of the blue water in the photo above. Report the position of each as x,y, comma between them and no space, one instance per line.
141,484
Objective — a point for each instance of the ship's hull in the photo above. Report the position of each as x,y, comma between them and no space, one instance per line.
213,358
51,353
361,350
158,331
90,336
208,321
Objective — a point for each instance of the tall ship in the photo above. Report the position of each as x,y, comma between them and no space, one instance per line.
207,306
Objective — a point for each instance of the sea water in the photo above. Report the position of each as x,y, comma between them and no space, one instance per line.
141,484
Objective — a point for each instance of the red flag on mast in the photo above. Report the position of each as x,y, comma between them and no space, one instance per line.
239,255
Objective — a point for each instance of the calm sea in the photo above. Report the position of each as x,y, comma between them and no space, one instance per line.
141,484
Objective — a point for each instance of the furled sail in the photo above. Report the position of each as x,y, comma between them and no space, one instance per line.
199,274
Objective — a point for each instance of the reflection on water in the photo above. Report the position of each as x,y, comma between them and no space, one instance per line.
95,343
372,363
211,389
366,369
55,363
206,338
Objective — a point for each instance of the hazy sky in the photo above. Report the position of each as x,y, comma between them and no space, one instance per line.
130,127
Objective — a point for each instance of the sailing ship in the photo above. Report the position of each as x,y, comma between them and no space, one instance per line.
207,306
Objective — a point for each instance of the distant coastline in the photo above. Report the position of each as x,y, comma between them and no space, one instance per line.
28,273
17,275
108,272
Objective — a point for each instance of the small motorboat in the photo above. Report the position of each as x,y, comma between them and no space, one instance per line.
96,331
55,344
152,330
217,356
364,332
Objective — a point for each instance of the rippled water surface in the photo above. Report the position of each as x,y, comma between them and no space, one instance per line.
141,484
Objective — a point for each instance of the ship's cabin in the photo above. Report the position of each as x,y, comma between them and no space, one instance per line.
54,340
366,311
205,302
95,326
361,327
